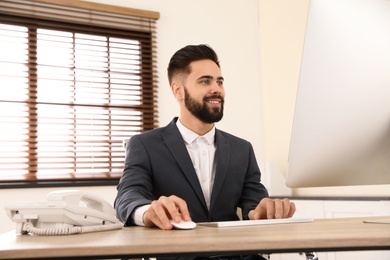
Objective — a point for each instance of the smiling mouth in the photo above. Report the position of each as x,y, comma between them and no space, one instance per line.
214,101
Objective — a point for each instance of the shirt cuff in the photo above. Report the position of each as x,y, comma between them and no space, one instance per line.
138,215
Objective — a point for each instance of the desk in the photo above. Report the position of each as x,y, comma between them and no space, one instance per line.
320,235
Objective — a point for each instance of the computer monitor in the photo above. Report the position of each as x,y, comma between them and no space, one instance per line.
341,128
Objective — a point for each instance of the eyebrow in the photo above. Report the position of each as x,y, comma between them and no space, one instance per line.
210,77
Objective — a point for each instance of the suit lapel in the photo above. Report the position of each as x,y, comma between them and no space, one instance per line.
175,144
222,158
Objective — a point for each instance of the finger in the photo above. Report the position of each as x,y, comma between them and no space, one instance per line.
286,207
171,206
156,215
292,210
253,214
279,208
150,218
265,209
269,209
167,208
181,212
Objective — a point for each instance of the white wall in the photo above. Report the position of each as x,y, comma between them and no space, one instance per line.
231,28
282,31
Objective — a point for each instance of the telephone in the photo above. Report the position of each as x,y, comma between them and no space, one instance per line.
65,212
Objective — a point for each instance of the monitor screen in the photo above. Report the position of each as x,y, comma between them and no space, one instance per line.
341,128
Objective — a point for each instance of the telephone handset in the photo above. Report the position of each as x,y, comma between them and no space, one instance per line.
64,212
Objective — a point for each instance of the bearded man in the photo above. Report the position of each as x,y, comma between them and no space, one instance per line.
189,170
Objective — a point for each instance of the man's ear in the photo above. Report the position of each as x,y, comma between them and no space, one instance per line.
177,90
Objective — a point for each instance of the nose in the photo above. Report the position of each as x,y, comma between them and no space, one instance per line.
217,88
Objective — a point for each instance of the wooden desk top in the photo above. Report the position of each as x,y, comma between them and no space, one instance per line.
320,235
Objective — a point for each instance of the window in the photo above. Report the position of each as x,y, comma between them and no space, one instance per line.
72,91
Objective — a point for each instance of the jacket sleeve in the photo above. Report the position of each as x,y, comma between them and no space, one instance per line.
135,186
253,191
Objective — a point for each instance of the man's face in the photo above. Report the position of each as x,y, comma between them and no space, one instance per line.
204,92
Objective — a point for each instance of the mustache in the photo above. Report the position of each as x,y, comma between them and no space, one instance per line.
214,96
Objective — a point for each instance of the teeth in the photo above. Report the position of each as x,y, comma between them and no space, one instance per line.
214,102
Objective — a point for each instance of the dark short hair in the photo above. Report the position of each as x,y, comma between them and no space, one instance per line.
180,61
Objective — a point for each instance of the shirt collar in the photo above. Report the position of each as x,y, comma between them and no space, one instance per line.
189,136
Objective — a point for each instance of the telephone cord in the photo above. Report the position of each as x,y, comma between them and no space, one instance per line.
70,230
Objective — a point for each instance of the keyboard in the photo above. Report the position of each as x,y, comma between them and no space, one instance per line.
238,223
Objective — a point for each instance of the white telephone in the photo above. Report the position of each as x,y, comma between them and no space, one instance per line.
65,212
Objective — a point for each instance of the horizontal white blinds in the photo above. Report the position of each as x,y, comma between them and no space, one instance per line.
71,93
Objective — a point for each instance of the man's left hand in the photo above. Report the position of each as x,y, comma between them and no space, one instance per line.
273,208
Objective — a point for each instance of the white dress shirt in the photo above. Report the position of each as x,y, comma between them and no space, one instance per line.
202,153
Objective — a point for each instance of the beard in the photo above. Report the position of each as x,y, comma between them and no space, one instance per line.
201,110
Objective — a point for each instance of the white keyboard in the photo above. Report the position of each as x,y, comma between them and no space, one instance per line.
241,223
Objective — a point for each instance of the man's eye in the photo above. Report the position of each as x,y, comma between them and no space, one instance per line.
206,81
220,83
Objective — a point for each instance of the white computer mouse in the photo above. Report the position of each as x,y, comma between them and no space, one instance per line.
183,224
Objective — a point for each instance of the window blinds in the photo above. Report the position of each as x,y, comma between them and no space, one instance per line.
76,82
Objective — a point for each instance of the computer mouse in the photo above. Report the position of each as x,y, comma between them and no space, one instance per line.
183,224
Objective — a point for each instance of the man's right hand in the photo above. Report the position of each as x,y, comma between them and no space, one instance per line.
163,210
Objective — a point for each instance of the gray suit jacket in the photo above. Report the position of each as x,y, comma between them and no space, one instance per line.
157,164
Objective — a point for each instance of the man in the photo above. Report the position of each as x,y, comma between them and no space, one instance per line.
189,170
